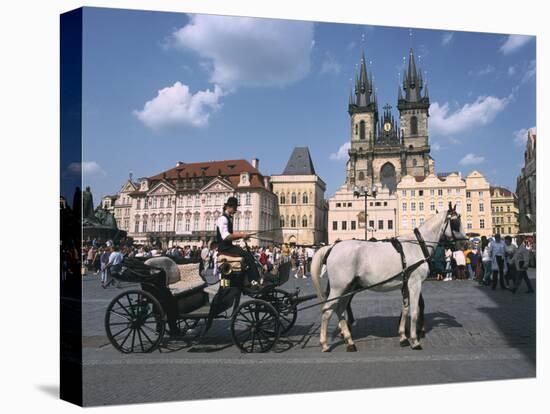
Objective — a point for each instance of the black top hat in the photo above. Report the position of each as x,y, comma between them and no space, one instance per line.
232,202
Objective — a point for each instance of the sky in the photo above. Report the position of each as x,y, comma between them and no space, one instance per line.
165,87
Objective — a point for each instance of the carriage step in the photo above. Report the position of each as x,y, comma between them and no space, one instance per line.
200,313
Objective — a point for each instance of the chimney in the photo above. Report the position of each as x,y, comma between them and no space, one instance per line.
266,182
179,164
255,162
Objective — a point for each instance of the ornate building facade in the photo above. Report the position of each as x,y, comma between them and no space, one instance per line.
181,205
301,195
394,156
504,206
526,188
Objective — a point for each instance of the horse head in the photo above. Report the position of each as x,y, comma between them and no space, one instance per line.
453,230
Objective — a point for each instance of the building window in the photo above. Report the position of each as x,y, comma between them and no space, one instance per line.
353,225
480,193
293,221
481,208
198,200
390,224
304,221
404,223
440,192
457,191
138,204
432,192
468,208
282,221
350,204
334,225
144,226
421,221
207,224
413,193
413,206
154,202
161,223
414,125
481,223
508,209
283,199
404,206
404,193
371,224
161,202
338,204
420,206
509,230
293,198
413,223
449,191
247,223
305,199
381,224
361,176
362,130
208,199
196,223
420,193
432,206
469,225
458,206
377,204
247,199
344,225
468,194
136,226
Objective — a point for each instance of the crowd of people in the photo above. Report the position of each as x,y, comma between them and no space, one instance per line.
106,258
489,261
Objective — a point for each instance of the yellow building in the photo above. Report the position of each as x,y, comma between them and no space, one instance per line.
504,206
419,198
301,193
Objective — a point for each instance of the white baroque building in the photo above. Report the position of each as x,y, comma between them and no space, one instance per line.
180,205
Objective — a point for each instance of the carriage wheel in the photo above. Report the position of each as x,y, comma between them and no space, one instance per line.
280,299
255,326
135,322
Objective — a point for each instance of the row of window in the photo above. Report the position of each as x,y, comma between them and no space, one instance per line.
293,198
501,210
353,225
440,192
166,201
502,230
285,222
501,220
158,225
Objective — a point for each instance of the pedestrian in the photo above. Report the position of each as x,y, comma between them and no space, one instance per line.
114,265
439,262
458,255
302,260
448,264
521,262
509,250
466,252
485,262
497,250
104,259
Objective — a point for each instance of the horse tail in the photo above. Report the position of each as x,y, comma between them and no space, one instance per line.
316,267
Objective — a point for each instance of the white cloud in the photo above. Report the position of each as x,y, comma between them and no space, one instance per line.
87,168
342,153
513,43
436,146
176,106
471,159
481,112
520,136
330,65
447,38
249,51
530,71
482,71
511,71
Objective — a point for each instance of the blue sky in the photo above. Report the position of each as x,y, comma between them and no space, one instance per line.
165,87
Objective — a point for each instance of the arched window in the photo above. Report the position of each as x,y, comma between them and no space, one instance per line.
361,175
282,222
388,177
154,223
293,198
414,125
362,130
283,198
293,221
356,129
305,199
304,221
136,226
144,226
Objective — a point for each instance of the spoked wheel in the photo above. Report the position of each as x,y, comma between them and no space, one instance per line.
135,322
255,326
280,299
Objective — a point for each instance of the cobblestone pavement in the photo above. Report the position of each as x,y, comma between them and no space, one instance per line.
473,333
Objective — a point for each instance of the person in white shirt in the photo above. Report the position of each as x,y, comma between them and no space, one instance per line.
460,260
225,237
448,265
114,265
521,262
497,251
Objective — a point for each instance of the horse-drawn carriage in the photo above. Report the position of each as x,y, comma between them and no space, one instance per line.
174,298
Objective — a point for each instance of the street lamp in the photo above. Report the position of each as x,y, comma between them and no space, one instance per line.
365,191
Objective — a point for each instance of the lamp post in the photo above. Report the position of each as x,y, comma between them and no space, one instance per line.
365,191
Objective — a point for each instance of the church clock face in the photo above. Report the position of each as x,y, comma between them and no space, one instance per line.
387,127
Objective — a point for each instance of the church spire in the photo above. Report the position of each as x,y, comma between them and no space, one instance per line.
365,96
413,82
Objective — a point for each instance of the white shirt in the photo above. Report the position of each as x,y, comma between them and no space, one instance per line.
497,249
459,258
521,255
221,224
115,258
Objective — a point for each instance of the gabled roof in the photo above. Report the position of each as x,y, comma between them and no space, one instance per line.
299,163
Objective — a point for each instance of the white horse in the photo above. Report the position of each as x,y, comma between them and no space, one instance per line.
377,265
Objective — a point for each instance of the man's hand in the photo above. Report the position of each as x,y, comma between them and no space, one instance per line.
245,236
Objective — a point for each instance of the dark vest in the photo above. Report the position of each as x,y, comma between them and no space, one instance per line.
225,244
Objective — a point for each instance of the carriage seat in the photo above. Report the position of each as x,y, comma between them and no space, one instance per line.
179,278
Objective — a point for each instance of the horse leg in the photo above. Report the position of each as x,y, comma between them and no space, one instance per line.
403,341
343,324
421,332
351,319
415,286
326,314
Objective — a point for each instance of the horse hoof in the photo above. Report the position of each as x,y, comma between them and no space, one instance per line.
351,348
404,343
416,346
325,349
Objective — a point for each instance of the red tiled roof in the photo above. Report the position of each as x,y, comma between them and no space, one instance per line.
504,191
229,169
